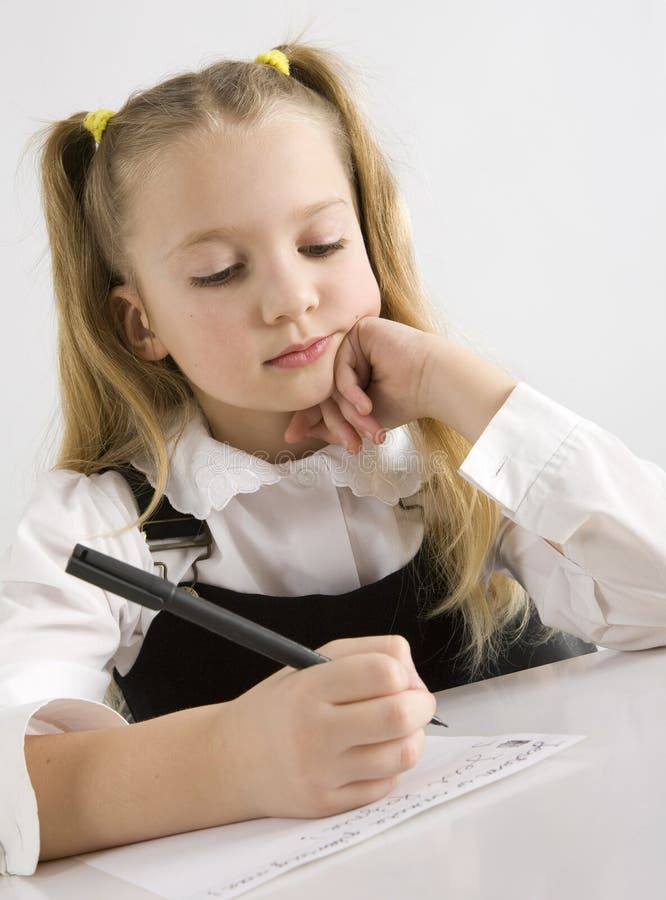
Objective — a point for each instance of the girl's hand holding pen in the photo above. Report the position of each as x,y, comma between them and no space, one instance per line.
321,740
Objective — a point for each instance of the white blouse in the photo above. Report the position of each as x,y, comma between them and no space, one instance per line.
328,523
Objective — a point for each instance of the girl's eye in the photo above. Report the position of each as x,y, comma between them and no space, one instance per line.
218,278
325,249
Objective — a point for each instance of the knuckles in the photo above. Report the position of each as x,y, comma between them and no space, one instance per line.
399,714
399,647
408,712
386,674
410,751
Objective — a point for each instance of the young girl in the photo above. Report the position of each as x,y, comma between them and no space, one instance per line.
249,369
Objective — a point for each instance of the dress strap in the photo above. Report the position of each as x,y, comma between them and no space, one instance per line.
165,528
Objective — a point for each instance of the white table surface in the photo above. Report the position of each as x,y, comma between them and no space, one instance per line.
589,822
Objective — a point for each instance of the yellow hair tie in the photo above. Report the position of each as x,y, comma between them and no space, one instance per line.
274,58
96,122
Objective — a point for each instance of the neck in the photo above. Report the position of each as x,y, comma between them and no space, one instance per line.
257,432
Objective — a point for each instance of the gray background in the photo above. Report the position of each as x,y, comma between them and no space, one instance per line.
529,138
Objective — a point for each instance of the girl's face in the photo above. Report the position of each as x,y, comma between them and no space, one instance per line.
249,243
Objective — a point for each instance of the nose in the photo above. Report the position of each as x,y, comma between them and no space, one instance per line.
289,291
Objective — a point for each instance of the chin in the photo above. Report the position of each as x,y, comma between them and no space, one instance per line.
312,399
312,392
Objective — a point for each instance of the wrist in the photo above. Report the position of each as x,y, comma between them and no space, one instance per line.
461,389
224,761
234,757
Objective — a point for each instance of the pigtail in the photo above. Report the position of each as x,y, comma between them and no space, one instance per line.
107,395
79,274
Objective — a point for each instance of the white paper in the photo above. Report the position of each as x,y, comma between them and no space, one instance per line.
229,860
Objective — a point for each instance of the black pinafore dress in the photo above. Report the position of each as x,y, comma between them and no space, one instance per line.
182,665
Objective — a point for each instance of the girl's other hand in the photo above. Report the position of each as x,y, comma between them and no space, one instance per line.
330,737
380,373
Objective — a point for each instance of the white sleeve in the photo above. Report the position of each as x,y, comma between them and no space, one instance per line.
59,636
19,821
562,478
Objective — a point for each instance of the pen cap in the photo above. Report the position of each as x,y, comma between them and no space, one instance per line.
110,575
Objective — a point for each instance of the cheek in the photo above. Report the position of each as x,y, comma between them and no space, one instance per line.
373,300
205,337
361,290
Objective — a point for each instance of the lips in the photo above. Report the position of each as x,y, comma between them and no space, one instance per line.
296,348
304,355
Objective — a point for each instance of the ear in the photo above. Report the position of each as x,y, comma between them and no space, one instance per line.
131,316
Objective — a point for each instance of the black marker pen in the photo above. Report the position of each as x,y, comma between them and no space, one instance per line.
157,593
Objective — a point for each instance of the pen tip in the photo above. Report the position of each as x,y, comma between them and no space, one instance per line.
437,721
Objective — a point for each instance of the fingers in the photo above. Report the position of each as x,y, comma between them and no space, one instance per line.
345,417
348,384
366,784
351,796
363,425
363,772
338,427
394,645
389,734
390,718
335,420
352,370
367,667
364,668
322,421
355,678
301,422
339,734
383,760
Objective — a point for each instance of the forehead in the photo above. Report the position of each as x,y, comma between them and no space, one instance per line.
240,177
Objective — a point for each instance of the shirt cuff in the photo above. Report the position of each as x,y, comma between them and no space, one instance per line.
19,820
516,445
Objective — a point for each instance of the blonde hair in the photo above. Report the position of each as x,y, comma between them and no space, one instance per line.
113,403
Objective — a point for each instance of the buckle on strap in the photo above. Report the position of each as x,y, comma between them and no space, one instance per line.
203,538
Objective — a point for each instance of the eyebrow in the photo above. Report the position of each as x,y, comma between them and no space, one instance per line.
211,235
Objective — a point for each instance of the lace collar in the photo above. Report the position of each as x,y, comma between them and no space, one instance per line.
206,474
